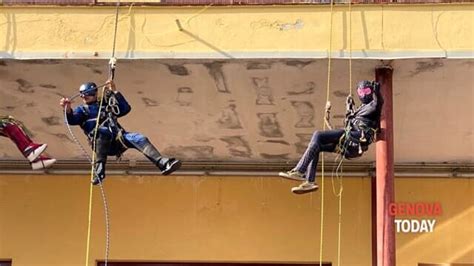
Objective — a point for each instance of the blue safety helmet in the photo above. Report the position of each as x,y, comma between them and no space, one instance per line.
88,89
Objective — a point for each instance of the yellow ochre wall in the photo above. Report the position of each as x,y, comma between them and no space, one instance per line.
237,219
378,31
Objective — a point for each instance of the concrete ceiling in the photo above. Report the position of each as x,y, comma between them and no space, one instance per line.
245,110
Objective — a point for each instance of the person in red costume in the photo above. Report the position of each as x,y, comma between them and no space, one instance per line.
17,132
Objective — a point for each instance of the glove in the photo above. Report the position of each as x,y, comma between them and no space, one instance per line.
328,106
113,62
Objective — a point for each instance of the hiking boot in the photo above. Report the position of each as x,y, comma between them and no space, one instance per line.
99,173
293,175
171,165
305,187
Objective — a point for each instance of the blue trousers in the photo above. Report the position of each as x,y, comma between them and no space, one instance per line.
321,141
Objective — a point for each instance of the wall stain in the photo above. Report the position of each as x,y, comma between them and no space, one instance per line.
258,66
307,88
427,66
305,112
215,70
51,120
185,96
149,102
264,92
179,70
340,94
229,118
48,86
278,142
269,125
297,63
62,136
237,146
25,86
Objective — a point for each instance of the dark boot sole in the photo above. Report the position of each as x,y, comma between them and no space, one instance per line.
174,166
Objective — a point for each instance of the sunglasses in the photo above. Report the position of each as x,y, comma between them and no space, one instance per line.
82,95
364,91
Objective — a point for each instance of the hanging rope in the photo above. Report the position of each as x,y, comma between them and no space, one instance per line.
328,87
338,171
112,66
94,155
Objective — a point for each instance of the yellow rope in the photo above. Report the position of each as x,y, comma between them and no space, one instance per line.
350,47
324,127
339,177
92,176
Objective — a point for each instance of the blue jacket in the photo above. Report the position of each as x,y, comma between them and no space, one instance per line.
85,115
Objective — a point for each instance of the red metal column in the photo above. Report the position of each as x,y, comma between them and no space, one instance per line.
384,183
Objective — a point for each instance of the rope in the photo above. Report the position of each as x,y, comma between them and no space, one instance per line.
104,199
116,26
324,127
84,152
112,64
338,170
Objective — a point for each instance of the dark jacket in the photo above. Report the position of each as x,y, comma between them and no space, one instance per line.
85,115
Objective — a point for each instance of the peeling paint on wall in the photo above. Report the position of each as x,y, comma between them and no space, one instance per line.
426,66
269,126
184,96
264,92
51,120
215,70
238,146
305,112
149,102
229,118
179,70
306,88
25,86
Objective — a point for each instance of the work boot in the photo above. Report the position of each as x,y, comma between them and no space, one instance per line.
103,144
168,165
99,173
